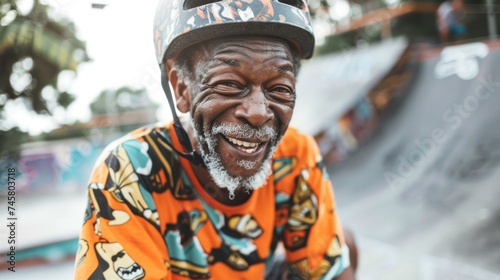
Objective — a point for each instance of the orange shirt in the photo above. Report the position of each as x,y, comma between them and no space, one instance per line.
148,217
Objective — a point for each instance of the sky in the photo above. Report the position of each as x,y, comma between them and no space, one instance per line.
119,42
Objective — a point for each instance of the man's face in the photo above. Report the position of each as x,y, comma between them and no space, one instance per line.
242,102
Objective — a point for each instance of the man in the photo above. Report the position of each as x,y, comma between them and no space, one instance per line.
160,209
450,20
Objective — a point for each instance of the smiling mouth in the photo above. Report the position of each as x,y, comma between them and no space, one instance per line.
245,146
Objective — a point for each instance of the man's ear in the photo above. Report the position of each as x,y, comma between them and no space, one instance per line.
181,91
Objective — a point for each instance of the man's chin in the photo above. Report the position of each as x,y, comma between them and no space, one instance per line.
235,169
244,170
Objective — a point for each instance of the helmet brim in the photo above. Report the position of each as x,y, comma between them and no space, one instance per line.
298,37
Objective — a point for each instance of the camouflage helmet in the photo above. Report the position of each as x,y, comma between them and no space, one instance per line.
182,23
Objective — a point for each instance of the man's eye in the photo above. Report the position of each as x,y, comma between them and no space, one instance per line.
228,88
282,92
228,84
281,89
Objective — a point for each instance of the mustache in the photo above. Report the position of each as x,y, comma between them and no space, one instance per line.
264,132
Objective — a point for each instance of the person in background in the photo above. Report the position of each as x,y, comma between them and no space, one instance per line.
211,195
450,17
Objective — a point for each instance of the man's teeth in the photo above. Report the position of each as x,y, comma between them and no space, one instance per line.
242,143
250,147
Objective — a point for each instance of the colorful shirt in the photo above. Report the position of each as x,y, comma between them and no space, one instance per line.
148,217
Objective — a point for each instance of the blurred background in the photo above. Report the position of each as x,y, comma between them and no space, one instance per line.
405,114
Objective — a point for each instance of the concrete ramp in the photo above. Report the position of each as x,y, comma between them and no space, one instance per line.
423,194
329,86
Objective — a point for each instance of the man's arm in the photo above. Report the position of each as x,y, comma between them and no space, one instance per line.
120,236
313,237
348,274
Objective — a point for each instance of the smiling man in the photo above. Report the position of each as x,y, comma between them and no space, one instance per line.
214,194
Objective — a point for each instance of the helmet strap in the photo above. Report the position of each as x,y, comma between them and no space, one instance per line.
181,133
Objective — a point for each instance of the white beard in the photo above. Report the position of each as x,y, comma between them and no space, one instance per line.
213,160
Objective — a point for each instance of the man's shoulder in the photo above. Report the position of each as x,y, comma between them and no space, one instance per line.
297,145
139,134
293,133
139,139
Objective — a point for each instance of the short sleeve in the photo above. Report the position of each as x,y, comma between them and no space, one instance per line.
120,236
312,236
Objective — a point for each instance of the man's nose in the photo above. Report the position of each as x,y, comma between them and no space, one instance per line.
255,108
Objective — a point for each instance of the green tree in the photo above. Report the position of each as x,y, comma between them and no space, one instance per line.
121,100
35,47
123,109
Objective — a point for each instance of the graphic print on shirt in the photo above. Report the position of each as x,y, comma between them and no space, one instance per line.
166,172
320,165
283,167
115,263
234,258
237,233
303,213
187,257
239,226
115,217
81,253
282,211
139,168
123,184
328,268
